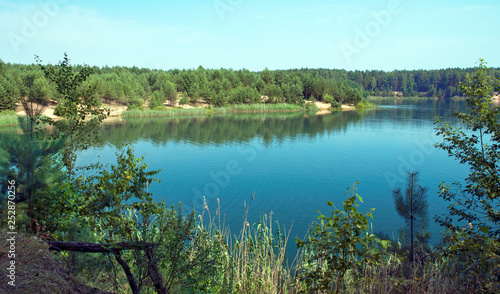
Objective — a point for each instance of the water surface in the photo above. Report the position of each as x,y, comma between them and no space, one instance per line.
292,162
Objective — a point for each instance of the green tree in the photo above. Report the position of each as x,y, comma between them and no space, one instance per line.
274,93
267,76
338,243
477,146
476,249
27,154
184,99
373,83
412,207
9,91
81,112
220,99
170,93
157,99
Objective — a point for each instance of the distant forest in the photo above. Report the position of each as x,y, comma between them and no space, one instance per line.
133,86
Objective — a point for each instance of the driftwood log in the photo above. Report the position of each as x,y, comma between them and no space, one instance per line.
93,247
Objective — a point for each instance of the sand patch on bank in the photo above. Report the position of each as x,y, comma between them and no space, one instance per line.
325,108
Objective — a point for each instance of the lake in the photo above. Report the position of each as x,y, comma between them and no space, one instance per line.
293,163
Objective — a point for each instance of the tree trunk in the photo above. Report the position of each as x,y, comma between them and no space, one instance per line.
154,272
412,213
131,280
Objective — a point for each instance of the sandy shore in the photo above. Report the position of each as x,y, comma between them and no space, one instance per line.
324,108
117,109
48,111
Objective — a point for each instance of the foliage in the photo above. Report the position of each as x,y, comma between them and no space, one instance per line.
311,107
185,258
162,112
129,86
278,107
135,103
80,110
474,256
184,99
337,244
245,95
412,207
102,197
157,99
258,260
28,163
27,155
8,118
477,146
9,92
329,99
364,104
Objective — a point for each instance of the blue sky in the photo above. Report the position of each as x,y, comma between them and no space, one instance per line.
253,34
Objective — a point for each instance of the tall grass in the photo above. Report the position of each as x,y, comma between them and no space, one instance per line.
237,108
8,118
402,98
256,256
259,107
364,104
162,112
256,263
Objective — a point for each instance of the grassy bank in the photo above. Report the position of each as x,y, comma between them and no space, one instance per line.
281,107
403,98
238,108
162,112
365,105
8,118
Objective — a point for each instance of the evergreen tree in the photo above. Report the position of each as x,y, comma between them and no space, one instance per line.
9,92
412,207
27,155
184,99
157,99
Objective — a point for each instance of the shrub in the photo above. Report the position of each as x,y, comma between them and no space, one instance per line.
134,103
157,99
337,244
184,99
363,104
336,104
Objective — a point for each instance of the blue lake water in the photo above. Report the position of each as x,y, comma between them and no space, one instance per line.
292,162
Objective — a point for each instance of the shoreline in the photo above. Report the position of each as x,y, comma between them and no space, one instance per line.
119,112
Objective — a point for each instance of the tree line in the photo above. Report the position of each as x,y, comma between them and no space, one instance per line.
133,86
